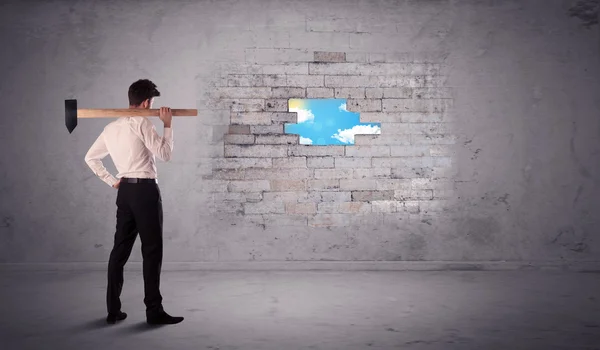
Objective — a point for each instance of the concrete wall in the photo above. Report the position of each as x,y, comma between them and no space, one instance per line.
489,110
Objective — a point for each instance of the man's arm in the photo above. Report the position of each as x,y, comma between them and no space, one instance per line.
160,146
93,159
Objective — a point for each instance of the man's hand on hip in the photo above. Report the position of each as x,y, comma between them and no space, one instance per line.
116,185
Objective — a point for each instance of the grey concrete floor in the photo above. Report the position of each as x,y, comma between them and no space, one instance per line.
308,310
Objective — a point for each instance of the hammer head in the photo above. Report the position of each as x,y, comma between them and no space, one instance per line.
71,114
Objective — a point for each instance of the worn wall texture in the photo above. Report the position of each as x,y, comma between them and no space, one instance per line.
489,144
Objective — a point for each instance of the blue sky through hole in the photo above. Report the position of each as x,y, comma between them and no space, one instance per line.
327,122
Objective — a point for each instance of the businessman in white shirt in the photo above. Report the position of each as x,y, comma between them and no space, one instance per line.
133,143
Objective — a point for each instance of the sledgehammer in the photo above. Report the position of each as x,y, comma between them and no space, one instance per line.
72,113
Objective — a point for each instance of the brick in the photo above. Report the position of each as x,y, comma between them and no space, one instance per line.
251,118
441,151
239,139
357,57
344,162
333,173
415,128
306,80
435,80
282,69
267,129
410,151
290,162
319,92
323,56
239,129
335,196
393,184
253,197
273,80
432,184
411,105
274,173
312,196
226,207
284,117
363,105
427,117
409,207
284,220
245,105
241,80
276,105
367,151
421,194
344,207
358,184
323,184
288,185
214,186
320,162
229,196
350,93
288,92
399,162
368,196
327,220
399,92
301,208
432,92
384,206
379,139
241,92
283,139
433,139
285,196
359,69
264,207
248,186
369,81
372,173
255,151
305,150
411,172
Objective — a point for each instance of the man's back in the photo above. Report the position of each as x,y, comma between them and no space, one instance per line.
132,143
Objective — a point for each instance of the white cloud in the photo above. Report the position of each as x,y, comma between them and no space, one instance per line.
347,135
304,115
343,107
305,141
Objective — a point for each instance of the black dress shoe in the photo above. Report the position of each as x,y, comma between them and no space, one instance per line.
162,318
113,318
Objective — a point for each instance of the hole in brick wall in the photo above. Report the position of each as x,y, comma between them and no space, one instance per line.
327,122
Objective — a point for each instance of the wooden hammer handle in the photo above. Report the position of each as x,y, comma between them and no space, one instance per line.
132,112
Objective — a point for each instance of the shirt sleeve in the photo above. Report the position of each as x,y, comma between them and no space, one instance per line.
161,147
94,157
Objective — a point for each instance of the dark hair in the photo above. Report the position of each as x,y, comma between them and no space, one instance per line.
140,91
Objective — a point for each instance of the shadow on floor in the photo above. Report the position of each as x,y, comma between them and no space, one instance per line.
99,323
139,327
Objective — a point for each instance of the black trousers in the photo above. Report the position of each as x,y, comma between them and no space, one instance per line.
139,209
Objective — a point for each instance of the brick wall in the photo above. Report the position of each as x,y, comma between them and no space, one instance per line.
268,178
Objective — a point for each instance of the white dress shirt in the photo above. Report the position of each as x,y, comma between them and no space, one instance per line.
132,143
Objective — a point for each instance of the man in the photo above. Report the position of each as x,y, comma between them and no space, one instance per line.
133,143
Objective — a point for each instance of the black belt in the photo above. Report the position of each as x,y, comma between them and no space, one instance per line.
135,180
